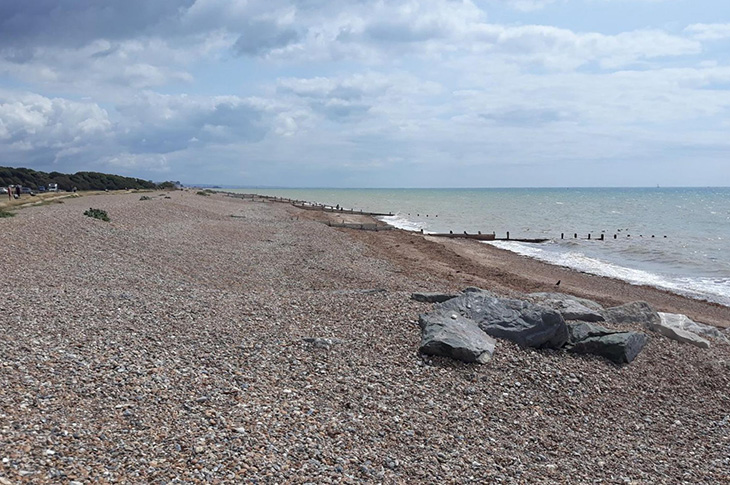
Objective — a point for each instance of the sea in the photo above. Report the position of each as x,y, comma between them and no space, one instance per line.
677,239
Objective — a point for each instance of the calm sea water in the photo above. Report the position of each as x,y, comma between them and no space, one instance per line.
693,259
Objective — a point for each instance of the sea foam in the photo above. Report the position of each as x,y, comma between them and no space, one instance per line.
713,289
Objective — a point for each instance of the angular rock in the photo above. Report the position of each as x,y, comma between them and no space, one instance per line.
433,297
570,307
681,336
475,289
620,348
456,337
582,331
520,321
635,312
685,323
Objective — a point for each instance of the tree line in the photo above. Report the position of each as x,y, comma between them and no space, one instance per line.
27,177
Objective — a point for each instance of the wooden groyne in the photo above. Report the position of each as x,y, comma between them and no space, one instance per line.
451,235
304,205
361,227
486,237
339,210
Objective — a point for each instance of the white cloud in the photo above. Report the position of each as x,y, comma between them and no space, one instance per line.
33,124
709,32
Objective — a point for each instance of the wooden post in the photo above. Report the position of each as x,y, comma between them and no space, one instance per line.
575,235
614,236
508,235
562,235
601,236
589,236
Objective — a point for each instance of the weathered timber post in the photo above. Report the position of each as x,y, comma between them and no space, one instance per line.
508,235
601,236
589,236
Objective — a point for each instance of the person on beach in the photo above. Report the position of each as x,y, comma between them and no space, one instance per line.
10,192
17,191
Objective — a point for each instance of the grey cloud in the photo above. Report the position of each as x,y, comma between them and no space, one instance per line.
185,121
339,101
77,22
401,32
38,131
525,117
261,36
341,111
106,52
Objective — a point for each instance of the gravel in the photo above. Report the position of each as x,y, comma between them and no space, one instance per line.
175,344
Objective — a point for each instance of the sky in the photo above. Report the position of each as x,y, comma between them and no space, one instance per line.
358,93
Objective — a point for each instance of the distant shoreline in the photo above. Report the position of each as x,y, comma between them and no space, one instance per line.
531,272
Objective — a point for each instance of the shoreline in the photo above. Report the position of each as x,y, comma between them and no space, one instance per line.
670,287
471,263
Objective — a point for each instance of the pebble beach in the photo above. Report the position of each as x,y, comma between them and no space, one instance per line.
209,339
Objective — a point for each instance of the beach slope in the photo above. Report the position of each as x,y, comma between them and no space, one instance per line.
175,343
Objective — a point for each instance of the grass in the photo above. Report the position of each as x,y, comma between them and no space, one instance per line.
97,214
203,192
4,213
144,197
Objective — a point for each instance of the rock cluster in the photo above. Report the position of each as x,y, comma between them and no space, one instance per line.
458,327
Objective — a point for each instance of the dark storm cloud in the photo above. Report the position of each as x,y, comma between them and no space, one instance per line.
76,22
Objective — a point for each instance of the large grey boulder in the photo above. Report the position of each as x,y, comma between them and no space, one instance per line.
432,297
570,307
456,337
525,323
620,348
635,312
685,323
617,346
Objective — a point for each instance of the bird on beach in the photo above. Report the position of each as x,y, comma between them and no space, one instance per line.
558,283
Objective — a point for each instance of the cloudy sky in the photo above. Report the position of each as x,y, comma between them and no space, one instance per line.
359,93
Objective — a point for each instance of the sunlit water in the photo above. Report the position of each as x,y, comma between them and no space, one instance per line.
693,259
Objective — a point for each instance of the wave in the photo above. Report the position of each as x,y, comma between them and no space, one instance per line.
401,222
713,289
